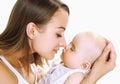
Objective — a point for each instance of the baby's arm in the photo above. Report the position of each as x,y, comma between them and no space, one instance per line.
75,78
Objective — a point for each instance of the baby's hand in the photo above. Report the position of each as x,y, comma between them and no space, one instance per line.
40,72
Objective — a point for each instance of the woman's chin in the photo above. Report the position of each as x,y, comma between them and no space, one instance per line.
50,57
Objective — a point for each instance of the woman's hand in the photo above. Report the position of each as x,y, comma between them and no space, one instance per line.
104,64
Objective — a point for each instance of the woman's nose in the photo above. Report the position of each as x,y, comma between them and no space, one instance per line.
62,43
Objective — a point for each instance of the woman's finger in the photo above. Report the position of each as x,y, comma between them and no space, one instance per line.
106,51
112,53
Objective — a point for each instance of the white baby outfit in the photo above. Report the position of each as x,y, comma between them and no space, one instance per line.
58,74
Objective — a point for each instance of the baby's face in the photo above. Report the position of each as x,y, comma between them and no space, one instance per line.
71,55
81,49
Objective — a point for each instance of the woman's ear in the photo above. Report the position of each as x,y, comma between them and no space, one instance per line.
86,65
30,30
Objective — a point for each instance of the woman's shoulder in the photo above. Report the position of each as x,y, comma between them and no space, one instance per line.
6,75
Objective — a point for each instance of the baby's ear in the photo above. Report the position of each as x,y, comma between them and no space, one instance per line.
86,65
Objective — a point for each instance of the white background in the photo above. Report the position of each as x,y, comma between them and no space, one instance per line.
101,16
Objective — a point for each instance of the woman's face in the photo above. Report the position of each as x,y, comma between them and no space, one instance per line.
47,42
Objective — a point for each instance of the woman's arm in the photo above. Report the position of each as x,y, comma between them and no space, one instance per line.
104,64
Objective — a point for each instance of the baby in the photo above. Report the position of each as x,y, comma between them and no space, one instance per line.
77,59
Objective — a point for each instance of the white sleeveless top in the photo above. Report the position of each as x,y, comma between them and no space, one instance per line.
58,74
21,80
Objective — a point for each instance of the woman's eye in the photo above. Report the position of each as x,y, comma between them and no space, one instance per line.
59,35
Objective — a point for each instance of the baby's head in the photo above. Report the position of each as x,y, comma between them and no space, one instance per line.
83,50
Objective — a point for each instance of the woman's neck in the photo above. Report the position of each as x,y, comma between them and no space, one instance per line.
18,61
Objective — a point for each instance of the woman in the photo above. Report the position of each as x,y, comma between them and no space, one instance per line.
34,33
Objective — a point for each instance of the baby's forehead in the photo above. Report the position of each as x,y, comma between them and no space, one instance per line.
86,34
83,37
89,37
